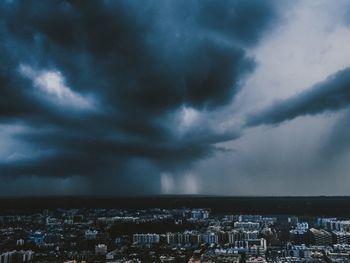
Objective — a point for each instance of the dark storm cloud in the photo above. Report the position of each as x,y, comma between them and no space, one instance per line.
139,61
330,95
234,19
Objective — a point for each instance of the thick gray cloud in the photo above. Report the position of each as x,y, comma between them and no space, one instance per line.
329,95
97,85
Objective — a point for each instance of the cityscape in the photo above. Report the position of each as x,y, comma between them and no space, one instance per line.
174,131
188,235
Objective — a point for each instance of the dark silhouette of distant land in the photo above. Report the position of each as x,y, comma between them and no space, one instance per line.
317,205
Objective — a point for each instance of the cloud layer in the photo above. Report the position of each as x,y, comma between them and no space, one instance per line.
330,95
212,97
121,91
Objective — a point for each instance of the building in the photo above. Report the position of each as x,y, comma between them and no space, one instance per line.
199,214
90,234
7,257
20,242
326,222
256,246
26,256
320,237
220,255
145,238
223,237
38,238
232,236
268,221
293,220
256,260
231,218
247,225
21,256
101,249
299,237
210,238
337,225
302,226
301,251
341,237
171,238
242,235
249,218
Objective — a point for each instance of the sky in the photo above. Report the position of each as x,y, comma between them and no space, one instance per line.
174,97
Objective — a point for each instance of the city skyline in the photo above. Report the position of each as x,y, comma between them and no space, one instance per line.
174,97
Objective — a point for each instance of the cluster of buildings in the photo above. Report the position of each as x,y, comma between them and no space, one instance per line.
326,231
223,239
169,235
238,239
17,256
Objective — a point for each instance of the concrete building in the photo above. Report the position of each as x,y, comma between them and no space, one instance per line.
90,234
21,256
320,237
299,237
247,225
210,238
199,214
293,220
101,249
242,235
341,237
302,226
249,218
146,238
256,260
301,251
